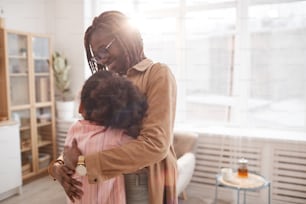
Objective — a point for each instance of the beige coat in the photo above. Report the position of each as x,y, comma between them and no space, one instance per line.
153,149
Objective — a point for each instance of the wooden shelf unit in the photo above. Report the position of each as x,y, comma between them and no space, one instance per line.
27,95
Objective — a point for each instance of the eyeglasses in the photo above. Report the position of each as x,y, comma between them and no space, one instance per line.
102,52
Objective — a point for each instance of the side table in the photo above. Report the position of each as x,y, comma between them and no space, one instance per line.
252,183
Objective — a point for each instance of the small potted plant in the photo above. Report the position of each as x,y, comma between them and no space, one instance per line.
64,99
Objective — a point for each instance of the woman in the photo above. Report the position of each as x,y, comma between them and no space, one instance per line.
112,43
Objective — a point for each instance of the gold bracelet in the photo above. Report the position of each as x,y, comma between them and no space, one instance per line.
50,167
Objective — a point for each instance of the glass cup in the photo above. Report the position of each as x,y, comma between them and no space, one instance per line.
226,173
242,168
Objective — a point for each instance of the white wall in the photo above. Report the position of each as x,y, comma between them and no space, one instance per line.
63,20
28,16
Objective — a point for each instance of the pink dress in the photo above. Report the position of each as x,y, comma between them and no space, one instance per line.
92,138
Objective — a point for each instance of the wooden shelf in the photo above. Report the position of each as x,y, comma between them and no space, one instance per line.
24,128
17,57
43,104
43,170
19,75
41,58
28,175
42,74
44,143
20,107
26,149
42,124
27,93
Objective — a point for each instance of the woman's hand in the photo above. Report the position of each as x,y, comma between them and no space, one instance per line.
71,186
71,155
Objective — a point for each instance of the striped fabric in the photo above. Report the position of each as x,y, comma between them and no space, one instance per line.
93,138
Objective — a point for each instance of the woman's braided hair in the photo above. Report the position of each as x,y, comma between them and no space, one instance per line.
128,37
113,101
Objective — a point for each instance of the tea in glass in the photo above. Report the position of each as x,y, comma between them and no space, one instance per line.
242,168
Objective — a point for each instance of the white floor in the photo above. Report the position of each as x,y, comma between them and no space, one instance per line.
45,190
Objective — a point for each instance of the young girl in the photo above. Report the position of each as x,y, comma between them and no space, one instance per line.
112,108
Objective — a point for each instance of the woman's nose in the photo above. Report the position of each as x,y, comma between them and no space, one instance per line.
103,61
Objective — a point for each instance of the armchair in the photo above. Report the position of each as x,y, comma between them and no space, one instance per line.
184,146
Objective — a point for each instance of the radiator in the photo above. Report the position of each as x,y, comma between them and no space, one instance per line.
289,175
62,127
283,162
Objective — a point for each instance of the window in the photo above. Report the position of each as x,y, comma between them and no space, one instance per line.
209,60
278,65
235,63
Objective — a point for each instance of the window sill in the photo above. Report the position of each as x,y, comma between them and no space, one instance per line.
282,135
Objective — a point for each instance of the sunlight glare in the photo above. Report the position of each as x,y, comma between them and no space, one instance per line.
139,21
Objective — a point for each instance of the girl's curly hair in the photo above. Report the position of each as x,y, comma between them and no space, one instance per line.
113,101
